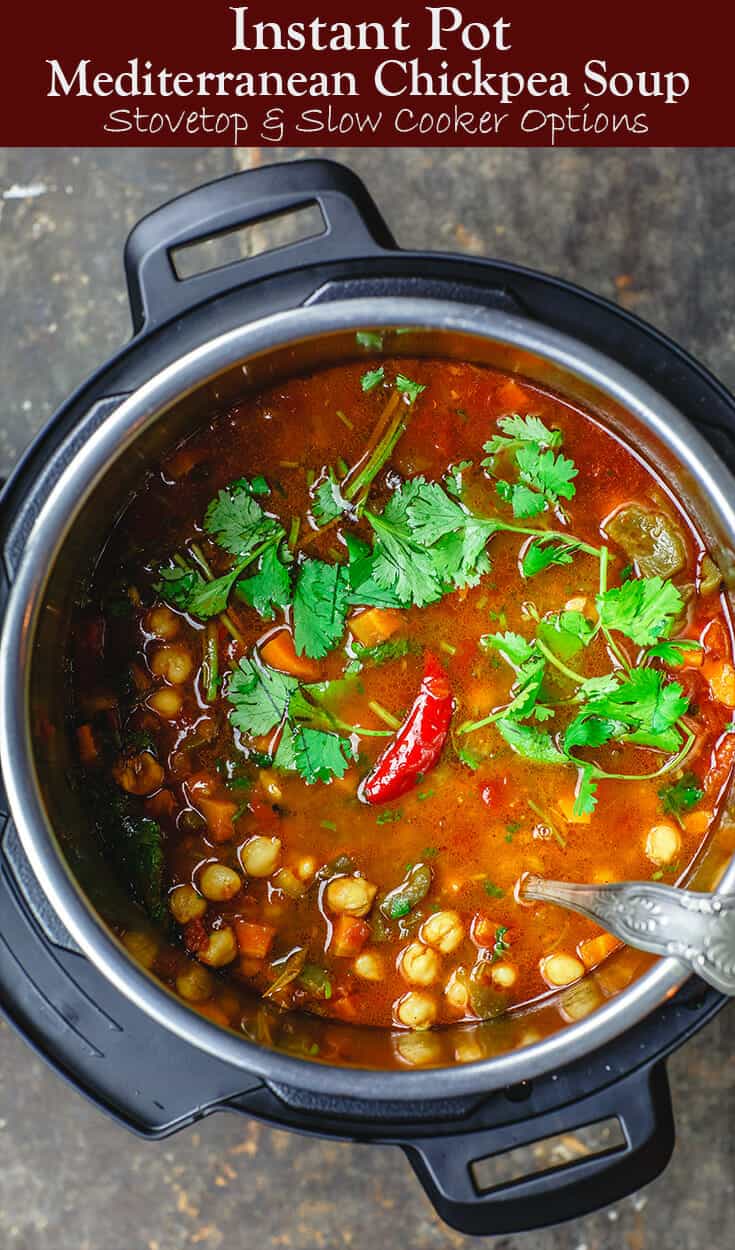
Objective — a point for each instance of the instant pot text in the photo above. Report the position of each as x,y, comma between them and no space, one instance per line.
464,69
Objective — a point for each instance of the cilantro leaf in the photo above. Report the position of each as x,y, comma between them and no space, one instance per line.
371,339
453,477
681,795
315,754
364,590
270,587
372,378
210,598
468,757
400,562
644,609
588,730
456,537
672,653
409,388
532,744
543,552
381,652
566,633
552,476
527,687
585,800
525,502
177,586
319,607
259,696
237,522
518,430
329,502
513,647
643,701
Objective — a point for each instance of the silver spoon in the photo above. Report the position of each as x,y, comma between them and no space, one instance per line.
697,929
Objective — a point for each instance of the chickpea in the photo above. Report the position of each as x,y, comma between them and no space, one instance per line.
142,946
417,1010
173,663
185,904
138,774
504,976
419,1049
219,883
419,964
369,966
457,990
260,856
469,1051
352,896
163,623
444,930
221,948
166,703
306,867
561,969
663,844
268,781
195,983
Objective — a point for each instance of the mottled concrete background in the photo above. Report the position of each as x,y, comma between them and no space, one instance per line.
652,229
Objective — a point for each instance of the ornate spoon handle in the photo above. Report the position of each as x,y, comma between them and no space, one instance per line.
698,929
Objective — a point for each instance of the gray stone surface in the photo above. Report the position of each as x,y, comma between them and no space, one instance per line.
653,229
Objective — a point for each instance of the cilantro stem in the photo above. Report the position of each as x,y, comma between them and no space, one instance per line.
507,528
225,618
569,673
604,557
383,714
210,667
671,764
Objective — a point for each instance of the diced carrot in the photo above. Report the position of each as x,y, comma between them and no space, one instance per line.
374,625
693,658
218,814
279,652
512,396
160,805
349,936
721,678
698,822
593,950
254,940
483,931
88,749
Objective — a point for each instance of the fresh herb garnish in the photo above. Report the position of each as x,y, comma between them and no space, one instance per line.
320,606
269,587
328,501
544,552
372,378
492,890
370,339
643,609
682,795
409,388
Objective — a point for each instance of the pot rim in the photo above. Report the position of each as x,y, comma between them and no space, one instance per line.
50,529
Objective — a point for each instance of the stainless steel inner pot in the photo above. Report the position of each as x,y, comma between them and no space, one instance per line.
66,539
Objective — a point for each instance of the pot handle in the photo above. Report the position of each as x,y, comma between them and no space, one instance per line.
352,226
640,1102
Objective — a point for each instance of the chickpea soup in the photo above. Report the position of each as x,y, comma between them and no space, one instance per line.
368,647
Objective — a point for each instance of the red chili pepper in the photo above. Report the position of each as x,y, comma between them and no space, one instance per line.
419,741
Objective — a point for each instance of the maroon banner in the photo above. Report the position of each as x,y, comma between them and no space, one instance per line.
462,74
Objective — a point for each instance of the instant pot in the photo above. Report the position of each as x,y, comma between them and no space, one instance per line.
200,343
